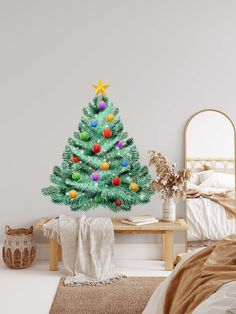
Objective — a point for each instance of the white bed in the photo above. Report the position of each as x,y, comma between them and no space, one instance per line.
222,301
207,219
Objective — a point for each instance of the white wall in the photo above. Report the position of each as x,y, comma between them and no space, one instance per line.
165,60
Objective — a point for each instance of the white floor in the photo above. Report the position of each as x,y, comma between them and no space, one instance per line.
31,291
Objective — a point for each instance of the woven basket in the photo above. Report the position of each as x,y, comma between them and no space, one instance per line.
19,247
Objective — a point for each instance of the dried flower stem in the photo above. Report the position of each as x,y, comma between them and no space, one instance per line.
169,182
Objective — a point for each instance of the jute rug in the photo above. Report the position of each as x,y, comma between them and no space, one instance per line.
126,296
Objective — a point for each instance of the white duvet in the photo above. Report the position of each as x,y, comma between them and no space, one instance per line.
223,301
207,220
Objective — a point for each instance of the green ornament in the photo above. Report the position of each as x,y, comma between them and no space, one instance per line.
98,199
76,176
84,136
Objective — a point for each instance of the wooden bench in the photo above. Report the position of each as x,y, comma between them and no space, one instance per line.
165,228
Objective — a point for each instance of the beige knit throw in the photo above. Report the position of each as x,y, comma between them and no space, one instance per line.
87,249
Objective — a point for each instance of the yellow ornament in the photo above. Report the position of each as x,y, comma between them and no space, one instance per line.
110,117
104,166
100,87
133,187
73,194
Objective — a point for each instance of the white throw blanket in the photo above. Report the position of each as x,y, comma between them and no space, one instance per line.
87,248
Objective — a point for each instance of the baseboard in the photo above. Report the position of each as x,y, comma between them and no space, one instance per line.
122,250
144,251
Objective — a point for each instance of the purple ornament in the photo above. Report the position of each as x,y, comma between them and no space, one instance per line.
119,144
95,176
102,105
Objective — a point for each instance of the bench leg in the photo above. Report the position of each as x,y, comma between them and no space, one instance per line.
53,254
169,246
163,246
59,253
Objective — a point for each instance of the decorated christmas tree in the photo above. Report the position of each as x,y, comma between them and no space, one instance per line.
100,163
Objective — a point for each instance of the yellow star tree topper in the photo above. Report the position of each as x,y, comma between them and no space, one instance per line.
101,87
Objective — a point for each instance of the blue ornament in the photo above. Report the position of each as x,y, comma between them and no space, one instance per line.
94,123
124,163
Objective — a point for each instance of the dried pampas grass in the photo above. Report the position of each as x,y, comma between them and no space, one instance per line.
169,182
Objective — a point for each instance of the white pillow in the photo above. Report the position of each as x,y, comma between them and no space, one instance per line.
219,180
192,186
194,179
209,189
204,175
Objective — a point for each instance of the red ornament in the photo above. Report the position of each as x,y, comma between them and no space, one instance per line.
118,203
107,133
116,181
75,158
96,148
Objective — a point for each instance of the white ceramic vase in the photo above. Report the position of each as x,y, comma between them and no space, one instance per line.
169,210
